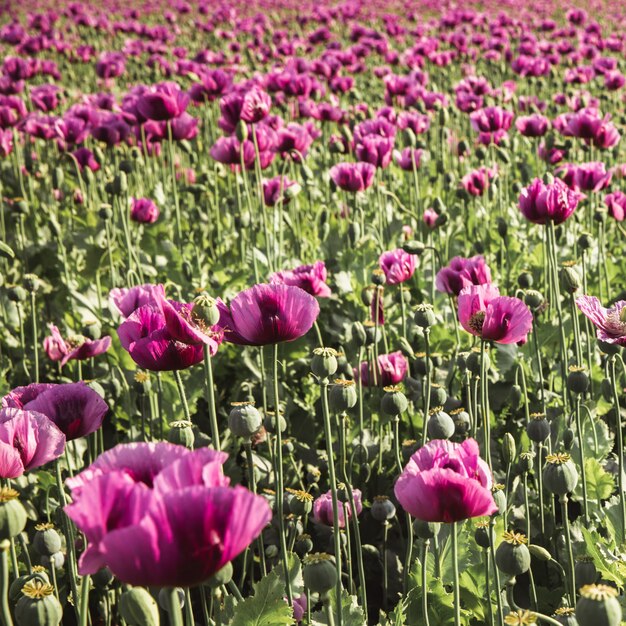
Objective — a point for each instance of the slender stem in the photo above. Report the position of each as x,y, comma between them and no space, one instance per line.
488,584
208,374
492,547
181,393
424,581
173,605
583,471
35,339
84,600
455,572
427,376
620,443
570,554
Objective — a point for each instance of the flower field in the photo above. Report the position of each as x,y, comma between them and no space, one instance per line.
312,314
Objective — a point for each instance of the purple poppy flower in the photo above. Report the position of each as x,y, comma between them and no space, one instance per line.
255,105
610,323
59,349
375,150
75,408
228,150
85,158
409,158
144,211
274,190
462,272
540,203
128,300
353,176
311,278
398,265
392,368
110,65
268,314
164,102
28,439
477,181
485,313
616,204
591,176
323,509
532,125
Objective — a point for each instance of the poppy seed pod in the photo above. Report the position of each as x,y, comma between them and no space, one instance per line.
269,422
181,433
300,502
38,605
394,402
383,509
47,540
324,362
206,310
598,605
102,578
438,395
343,395
12,514
481,535
461,420
525,280
222,577
139,608
440,425
15,590
560,475
303,545
566,615
533,299
585,241
244,419
319,573
473,361
538,428
512,555
499,497
577,380
526,461
359,336
378,278
585,572
424,316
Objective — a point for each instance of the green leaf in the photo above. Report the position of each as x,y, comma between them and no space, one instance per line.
351,612
295,574
267,607
6,251
605,562
440,606
600,483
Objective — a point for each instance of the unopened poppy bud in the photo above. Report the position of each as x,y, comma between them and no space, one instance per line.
343,395
499,497
570,279
577,380
120,184
394,402
548,179
585,572
508,449
55,560
127,166
205,309
585,241
560,475
354,233
515,396
503,227
139,608
303,545
438,395
244,420
272,551
424,316
269,422
181,433
440,425
46,540
241,131
38,605
12,514
512,555
568,438
540,553
359,337
324,362
102,578
598,605
165,598
105,212
17,294
413,247
383,509
473,361
319,573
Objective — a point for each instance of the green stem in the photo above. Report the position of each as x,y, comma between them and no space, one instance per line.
4,584
455,572
570,554
35,339
424,581
208,374
173,605
620,443
84,600
181,393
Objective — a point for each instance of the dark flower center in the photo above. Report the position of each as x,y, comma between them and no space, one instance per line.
476,322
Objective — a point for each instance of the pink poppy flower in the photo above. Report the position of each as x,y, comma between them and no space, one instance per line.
446,482
610,323
323,509
398,265
127,300
311,278
541,203
144,211
353,176
392,369
616,204
59,349
461,273
485,313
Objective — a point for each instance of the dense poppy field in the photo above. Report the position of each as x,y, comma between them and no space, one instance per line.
312,314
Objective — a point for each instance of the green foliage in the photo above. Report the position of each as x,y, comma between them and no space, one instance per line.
351,612
267,607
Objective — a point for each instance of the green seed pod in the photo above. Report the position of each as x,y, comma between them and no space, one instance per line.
12,514
127,166
538,428
525,280
300,502
503,227
319,573
205,309
38,605
102,578
598,605
181,433
438,395
540,553
56,560
499,497
343,395
15,590
482,536
57,178
357,331
440,425
607,389
526,461
585,572
383,509
324,362
577,380
221,577
244,420
105,212
378,277
461,420
354,233
533,299
269,422
566,615
17,294
164,598
46,540
139,608
120,184
394,402
585,241
560,475
414,247
473,361
570,279
424,316
508,449
303,545
512,555
272,551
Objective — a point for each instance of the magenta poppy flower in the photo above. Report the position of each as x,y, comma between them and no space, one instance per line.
311,278
274,190
268,314
28,439
392,369
77,409
461,273
86,158
430,218
59,349
446,482
398,265
255,106
477,181
532,125
616,204
144,211
323,509
610,323
165,102
127,300
591,176
159,514
409,158
375,150
230,151
541,203
353,176
485,313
